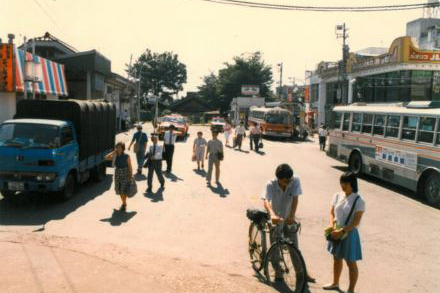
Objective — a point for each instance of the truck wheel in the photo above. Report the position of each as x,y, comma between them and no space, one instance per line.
432,189
7,193
99,173
69,187
355,163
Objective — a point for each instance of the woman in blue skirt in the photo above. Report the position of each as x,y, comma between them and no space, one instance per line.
349,246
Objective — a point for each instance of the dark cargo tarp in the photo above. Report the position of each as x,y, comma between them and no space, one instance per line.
95,122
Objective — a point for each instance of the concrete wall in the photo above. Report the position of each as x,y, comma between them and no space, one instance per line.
7,106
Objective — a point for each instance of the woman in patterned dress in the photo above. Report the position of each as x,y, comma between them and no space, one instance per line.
123,172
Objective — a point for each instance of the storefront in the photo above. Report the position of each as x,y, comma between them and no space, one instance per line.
27,76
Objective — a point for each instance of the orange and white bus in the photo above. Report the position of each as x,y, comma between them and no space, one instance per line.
275,122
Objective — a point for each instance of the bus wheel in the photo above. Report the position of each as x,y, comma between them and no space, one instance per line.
432,189
355,163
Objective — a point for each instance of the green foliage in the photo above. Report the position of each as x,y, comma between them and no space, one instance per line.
162,74
219,90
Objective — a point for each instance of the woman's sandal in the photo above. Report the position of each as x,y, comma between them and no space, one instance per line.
123,207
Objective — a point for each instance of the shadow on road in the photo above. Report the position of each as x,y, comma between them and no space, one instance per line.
279,286
241,151
119,217
200,172
155,196
385,184
172,177
219,190
39,209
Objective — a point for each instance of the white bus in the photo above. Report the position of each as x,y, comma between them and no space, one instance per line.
395,142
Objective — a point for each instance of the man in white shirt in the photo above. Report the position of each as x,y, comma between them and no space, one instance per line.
240,133
169,139
322,132
154,164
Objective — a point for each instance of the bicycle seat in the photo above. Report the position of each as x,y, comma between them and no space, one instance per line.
256,215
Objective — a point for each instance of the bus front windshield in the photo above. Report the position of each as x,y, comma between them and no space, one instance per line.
277,119
24,135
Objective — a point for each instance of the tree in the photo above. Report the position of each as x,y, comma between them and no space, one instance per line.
161,74
208,91
244,71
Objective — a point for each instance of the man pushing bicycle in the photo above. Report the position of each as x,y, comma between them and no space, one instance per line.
281,202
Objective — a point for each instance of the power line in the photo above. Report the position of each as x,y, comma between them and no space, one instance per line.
399,7
47,14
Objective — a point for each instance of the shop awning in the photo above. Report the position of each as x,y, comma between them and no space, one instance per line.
51,79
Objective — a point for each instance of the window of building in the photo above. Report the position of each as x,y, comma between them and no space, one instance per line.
393,81
346,124
436,86
405,86
379,124
409,127
393,124
367,124
426,129
421,85
357,122
380,87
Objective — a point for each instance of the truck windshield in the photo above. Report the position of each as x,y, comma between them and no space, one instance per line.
28,135
277,119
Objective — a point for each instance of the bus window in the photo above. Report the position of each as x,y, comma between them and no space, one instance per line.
426,129
357,122
346,124
438,134
409,127
367,124
337,120
379,123
393,125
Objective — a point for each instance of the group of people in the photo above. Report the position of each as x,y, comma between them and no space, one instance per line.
280,199
255,135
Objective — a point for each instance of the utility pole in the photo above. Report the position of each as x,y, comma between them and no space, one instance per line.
342,32
33,69
281,78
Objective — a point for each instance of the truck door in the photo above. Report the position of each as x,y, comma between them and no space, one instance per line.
68,152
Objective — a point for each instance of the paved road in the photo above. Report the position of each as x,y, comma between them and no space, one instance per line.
193,238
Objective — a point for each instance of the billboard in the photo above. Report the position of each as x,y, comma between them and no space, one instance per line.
250,90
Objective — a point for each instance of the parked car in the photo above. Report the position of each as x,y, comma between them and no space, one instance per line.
218,124
51,146
179,122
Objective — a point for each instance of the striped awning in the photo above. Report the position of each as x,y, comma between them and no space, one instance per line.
51,79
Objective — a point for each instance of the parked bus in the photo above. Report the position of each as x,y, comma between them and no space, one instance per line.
275,122
396,142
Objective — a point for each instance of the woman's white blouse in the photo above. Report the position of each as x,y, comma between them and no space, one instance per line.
343,204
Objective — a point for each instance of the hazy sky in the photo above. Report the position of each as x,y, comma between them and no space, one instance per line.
205,35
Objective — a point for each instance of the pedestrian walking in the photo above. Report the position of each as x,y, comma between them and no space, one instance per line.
322,132
344,242
199,150
169,139
214,154
140,140
228,132
255,136
281,201
123,172
154,164
240,133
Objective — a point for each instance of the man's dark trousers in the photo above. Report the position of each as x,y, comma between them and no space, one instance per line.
169,152
155,166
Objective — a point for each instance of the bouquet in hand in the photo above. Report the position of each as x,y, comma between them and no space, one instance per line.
329,230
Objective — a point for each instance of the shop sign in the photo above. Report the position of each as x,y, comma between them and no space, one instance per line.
423,56
6,68
250,90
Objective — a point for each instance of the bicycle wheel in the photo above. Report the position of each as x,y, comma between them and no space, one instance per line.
284,267
257,246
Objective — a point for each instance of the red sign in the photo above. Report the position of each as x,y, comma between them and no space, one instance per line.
307,94
423,56
6,72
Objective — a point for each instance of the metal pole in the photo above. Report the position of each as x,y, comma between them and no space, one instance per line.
139,95
24,71
33,69
156,113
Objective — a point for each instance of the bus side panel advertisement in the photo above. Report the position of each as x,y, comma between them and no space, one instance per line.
397,157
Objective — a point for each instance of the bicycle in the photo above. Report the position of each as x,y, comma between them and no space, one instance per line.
282,262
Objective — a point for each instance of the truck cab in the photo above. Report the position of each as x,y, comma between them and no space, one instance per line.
37,155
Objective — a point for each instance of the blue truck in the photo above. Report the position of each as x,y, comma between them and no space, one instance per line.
51,146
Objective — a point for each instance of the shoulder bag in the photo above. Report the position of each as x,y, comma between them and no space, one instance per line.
133,188
328,234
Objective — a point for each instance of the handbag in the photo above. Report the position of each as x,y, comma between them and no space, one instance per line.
194,158
260,144
328,234
133,188
220,156
136,147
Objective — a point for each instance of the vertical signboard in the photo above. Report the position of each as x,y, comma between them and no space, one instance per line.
6,68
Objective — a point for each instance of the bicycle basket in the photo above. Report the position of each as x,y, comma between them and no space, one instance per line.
257,216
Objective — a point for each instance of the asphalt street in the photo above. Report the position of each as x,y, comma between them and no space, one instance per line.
192,238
